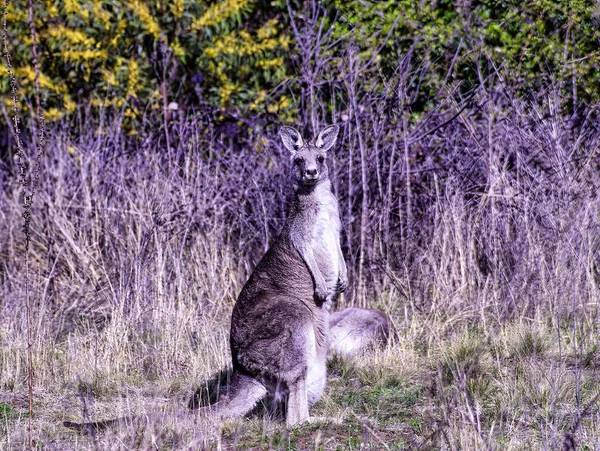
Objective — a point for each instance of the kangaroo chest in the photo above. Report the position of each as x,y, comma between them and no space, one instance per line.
326,239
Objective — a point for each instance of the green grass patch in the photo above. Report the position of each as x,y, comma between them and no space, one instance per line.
6,410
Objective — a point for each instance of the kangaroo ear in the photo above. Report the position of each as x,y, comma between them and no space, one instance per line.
326,139
291,138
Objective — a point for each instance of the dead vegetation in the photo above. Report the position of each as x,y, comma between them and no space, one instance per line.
475,226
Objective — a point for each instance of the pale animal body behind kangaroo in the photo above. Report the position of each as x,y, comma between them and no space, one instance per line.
280,323
356,331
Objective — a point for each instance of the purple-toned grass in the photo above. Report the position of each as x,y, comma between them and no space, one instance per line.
488,219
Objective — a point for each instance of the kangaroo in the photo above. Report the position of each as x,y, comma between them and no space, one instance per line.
279,336
279,326
353,331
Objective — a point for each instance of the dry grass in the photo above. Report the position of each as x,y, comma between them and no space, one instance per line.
482,246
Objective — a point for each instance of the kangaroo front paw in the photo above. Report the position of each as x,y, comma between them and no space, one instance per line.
342,284
321,293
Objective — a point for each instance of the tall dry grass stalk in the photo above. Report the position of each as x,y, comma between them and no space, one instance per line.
28,184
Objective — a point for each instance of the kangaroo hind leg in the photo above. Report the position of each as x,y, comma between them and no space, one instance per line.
297,405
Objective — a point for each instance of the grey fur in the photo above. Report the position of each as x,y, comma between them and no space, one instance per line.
280,323
353,331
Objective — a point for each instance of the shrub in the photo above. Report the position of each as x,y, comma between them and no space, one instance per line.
132,55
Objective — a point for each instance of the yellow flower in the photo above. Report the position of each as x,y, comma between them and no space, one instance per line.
130,112
267,30
28,73
259,101
177,8
148,21
242,44
109,77
266,64
68,103
178,50
226,91
52,11
134,78
284,41
120,28
46,82
73,7
83,55
217,13
52,114
15,16
282,103
102,14
73,36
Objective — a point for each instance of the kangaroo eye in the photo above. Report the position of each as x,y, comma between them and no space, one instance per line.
320,158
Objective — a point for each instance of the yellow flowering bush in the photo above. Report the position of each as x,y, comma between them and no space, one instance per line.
105,53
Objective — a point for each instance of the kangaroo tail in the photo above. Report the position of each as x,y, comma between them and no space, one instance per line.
243,395
210,391
97,426
229,395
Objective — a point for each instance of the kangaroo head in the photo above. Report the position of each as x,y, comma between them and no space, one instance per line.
309,158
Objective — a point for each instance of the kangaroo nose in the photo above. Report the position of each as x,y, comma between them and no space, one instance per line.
312,172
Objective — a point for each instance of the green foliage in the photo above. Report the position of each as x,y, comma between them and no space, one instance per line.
6,410
464,357
131,55
533,43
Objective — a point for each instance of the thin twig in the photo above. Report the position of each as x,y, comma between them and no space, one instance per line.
31,184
